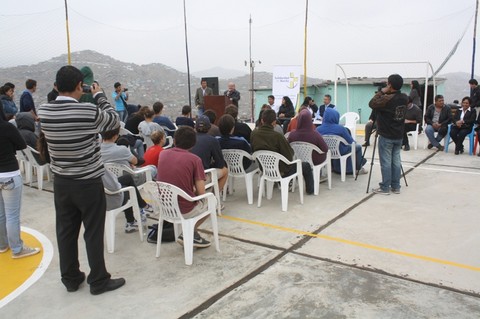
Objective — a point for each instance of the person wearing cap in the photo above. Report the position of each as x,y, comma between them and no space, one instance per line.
71,131
390,105
208,149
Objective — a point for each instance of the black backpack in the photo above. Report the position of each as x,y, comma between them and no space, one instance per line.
168,234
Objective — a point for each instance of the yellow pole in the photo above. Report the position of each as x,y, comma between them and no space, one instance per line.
305,53
68,34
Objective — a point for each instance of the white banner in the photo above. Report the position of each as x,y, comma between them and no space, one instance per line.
286,82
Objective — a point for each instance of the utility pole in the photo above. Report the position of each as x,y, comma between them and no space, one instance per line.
252,72
474,42
186,52
69,55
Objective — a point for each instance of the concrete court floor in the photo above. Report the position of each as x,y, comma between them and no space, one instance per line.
342,254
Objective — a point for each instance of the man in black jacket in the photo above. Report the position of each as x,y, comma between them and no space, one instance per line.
437,118
390,106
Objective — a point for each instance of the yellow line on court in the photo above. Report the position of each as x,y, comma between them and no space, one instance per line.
354,243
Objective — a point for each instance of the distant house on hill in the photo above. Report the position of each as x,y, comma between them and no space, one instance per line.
360,91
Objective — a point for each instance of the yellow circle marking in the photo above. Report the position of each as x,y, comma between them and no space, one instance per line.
16,275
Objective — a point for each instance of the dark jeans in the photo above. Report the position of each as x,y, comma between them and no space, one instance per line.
127,180
77,202
408,128
307,175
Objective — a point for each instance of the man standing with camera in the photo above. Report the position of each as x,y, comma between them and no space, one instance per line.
390,107
71,130
120,96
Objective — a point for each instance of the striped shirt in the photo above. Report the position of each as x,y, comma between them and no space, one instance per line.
71,130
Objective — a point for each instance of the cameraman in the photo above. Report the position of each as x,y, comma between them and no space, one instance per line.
120,96
71,132
390,107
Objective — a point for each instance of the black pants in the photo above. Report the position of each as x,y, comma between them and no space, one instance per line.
127,180
78,202
408,128
458,136
307,175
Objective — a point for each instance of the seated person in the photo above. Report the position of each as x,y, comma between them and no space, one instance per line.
112,183
330,126
113,153
413,116
241,129
462,124
285,112
185,170
161,120
186,118
208,149
226,124
265,138
212,117
26,127
151,155
148,126
293,123
306,132
134,120
437,118
258,122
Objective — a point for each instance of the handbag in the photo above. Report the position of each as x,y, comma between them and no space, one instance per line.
168,233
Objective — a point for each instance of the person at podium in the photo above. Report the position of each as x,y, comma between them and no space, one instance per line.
232,94
199,100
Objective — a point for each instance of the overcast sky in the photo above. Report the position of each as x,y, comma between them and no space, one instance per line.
218,33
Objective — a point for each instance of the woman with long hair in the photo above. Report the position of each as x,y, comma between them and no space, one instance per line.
11,186
415,93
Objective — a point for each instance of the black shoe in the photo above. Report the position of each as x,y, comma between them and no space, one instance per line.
457,152
111,284
430,146
366,144
200,242
407,148
441,148
73,285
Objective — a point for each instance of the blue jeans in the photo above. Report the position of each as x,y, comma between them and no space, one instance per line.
390,162
200,111
430,132
10,203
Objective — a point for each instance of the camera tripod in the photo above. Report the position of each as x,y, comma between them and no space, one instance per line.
373,157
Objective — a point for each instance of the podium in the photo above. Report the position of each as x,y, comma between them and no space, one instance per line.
216,103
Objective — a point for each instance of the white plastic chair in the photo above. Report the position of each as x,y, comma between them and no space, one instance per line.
24,165
234,159
333,142
165,202
304,152
119,170
414,135
351,119
34,165
269,162
168,142
112,214
213,183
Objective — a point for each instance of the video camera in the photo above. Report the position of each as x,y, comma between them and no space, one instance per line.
87,88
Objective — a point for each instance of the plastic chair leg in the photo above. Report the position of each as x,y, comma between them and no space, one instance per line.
269,189
284,183
110,232
249,185
188,228
343,168
316,180
159,236
260,192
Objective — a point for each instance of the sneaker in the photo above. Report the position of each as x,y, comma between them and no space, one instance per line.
363,171
200,242
3,250
25,252
440,148
381,191
148,210
180,239
396,190
143,216
131,227
430,146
